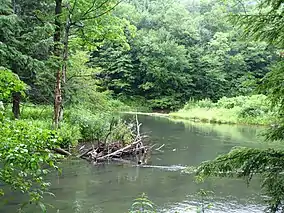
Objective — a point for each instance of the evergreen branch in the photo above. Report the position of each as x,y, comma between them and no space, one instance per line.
247,162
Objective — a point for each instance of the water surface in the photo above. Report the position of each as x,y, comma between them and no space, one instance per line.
86,188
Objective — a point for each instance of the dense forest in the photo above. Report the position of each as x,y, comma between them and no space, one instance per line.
180,51
68,68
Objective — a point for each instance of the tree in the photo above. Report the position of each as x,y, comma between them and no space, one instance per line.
83,20
266,24
177,54
24,43
9,84
24,148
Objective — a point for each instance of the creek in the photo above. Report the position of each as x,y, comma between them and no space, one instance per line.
85,188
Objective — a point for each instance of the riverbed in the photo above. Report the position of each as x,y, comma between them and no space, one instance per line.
111,188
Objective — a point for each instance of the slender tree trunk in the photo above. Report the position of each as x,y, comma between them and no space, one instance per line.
65,61
57,53
16,96
16,104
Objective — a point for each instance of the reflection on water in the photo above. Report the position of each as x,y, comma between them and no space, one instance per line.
85,188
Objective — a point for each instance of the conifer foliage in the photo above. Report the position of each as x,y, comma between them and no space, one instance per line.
266,25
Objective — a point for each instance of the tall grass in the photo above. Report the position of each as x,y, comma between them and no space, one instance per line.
253,109
86,122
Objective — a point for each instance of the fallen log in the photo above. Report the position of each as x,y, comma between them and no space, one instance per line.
118,151
84,153
62,151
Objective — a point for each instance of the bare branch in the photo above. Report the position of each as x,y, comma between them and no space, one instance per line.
90,8
73,8
103,13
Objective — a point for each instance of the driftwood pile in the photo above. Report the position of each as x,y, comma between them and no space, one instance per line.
117,151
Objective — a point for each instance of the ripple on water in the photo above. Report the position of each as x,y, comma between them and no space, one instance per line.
217,207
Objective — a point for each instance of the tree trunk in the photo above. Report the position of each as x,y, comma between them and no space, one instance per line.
57,53
16,104
65,61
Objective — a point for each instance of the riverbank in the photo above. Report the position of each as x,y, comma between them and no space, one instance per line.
154,114
252,110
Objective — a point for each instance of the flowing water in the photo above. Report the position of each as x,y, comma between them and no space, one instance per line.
86,188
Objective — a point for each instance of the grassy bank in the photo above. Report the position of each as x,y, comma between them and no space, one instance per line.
253,110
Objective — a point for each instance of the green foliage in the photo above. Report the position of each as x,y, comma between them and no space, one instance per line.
99,126
10,83
122,131
25,40
171,61
272,84
253,109
143,205
245,163
41,117
81,87
93,127
204,103
2,111
265,24
26,155
36,112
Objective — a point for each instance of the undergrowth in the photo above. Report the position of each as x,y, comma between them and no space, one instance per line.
253,109
86,123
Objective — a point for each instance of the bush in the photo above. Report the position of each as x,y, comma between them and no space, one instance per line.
136,103
143,204
254,101
229,103
10,83
92,126
70,134
122,132
250,111
253,109
164,103
96,127
25,155
37,112
205,103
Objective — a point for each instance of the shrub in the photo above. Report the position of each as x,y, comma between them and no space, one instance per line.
122,132
25,155
249,111
190,104
37,112
205,103
164,103
253,109
92,126
10,83
143,204
70,134
229,103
